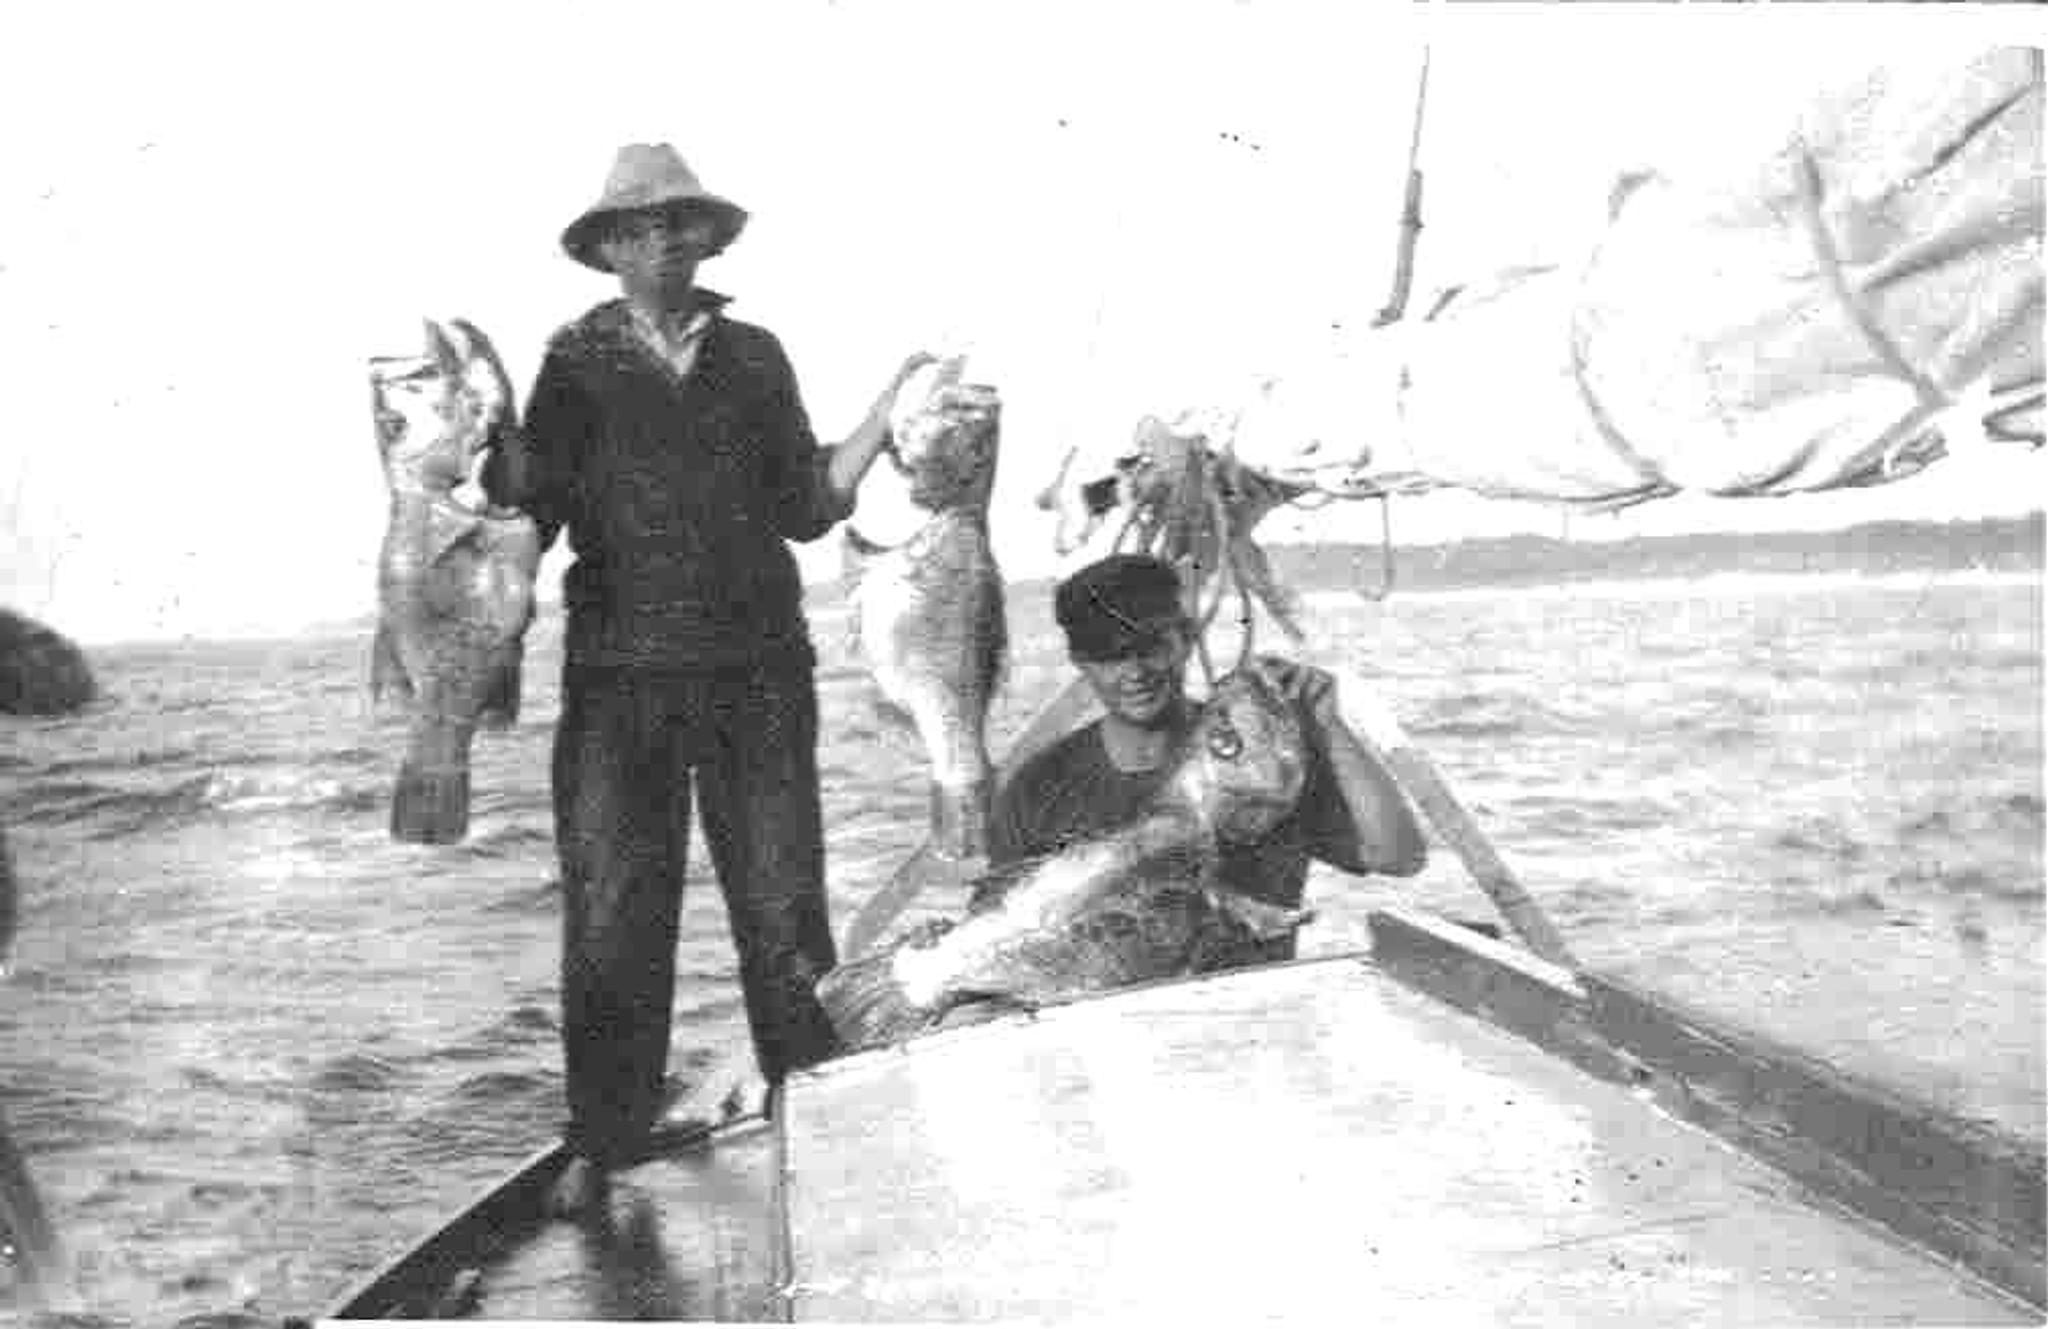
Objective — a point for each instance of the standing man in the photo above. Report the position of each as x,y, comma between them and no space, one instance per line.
1129,634
670,442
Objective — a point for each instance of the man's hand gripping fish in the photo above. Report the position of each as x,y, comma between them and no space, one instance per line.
455,578
1139,904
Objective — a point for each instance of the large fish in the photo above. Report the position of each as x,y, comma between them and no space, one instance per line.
927,595
456,575
1136,904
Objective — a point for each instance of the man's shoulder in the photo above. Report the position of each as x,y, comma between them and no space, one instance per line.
1058,763
600,323
750,341
1046,801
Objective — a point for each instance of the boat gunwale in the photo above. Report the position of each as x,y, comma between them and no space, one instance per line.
1962,1190
1839,1135
408,1283
1574,1016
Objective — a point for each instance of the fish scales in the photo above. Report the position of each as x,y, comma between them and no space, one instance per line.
928,610
1140,903
455,573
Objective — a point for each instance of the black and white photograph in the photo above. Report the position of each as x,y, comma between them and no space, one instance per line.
881,661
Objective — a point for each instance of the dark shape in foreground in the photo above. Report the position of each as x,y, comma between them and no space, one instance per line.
42,672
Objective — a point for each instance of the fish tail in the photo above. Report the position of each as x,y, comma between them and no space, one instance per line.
891,714
430,804
867,1004
501,693
388,679
960,820
1263,921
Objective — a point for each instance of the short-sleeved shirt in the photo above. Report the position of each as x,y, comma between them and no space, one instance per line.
1073,791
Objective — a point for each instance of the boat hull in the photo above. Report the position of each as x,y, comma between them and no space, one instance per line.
1445,1131
1315,1141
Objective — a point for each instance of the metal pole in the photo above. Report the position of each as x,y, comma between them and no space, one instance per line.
1375,726
1411,211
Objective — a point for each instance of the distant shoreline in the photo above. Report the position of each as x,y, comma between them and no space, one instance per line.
1996,544
2004,545
2009,546
1713,583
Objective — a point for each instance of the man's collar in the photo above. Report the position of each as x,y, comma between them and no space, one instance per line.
617,313
682,326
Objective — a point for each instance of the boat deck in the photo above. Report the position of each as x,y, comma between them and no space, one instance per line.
690,1236
1316,1139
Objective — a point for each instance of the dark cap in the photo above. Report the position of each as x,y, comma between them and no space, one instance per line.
1119,606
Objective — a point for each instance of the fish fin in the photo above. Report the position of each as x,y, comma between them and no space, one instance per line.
893,716
483,373
1264,921
959,819
430,804
500,708
866,1002
992,629
388,679
448,527
981,1009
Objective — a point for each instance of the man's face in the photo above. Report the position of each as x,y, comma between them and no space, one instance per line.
1145,686
655,252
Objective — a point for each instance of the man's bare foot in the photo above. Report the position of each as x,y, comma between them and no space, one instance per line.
583,1190
729,1088
748,1097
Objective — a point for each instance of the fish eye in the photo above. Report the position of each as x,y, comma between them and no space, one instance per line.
1225,742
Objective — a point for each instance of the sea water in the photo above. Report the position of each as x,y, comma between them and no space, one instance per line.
251,1047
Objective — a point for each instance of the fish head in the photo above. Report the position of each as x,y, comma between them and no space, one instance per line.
944,435
1245,762
435,414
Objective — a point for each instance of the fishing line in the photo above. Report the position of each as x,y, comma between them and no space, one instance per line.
1247,620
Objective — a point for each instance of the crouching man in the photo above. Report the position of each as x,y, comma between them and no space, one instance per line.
1129,635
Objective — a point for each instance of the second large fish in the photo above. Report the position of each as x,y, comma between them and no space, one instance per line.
455,578
927,594
1136,904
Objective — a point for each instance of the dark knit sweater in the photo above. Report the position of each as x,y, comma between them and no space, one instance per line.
677,495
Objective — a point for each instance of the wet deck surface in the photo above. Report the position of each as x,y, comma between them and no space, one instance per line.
1347,1149
686,1238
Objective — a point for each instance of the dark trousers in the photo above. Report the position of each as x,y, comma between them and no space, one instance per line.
629,749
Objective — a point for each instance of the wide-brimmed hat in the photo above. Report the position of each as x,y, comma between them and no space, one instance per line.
644,176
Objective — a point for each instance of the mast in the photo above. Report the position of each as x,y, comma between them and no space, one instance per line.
1411,211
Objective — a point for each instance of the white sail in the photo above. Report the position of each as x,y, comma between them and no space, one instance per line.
1842,312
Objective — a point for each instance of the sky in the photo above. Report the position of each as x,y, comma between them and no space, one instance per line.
212,215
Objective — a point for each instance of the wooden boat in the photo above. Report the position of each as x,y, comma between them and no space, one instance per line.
1446,1129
